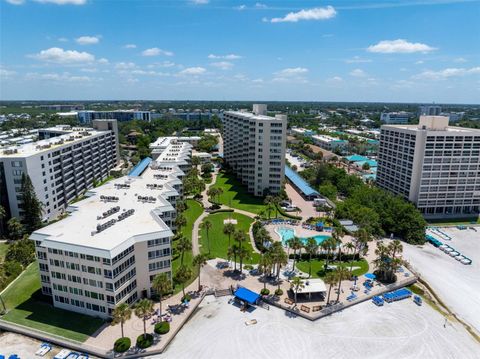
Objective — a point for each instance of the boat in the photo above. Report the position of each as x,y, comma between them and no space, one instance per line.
454,254
63,354
449,249
44,349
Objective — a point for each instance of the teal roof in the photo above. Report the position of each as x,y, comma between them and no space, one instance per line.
356,158
299,182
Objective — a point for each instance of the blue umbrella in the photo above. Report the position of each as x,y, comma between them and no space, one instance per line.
370,276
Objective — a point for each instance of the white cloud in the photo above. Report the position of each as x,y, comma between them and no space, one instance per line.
88,40
89,69
292,71
399,46
193,71
260,5
200,2
447,73
357,60
103,61
223,65
62,39
358,73
61,56
5,73
63,2
155,51
240,7
130,46
319,13
16,2
161,64
460,60
225,57
125,66
335,79
419,62
258,81
65,77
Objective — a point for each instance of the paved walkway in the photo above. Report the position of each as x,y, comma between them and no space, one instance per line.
306,207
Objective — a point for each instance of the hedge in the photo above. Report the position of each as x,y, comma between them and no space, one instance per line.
162,328
122,345
144,341
288,215
221,210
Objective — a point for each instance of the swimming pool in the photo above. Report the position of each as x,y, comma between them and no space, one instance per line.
289,233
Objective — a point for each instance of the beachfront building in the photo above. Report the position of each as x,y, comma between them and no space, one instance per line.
254,147
62,164
433,165
158,147
328,142
115,241
401,117
119,115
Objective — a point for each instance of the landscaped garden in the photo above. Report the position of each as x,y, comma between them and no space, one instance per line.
318,270
3,251
26,306
235,194
193,211
219,240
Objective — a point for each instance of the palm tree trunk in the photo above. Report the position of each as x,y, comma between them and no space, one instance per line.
354,254
339,285
329,290
144,327
294,258
199,284
310,267
160,307
121,326
183,289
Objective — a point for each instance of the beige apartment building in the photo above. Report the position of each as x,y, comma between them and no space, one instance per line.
433,165
114,242
254,147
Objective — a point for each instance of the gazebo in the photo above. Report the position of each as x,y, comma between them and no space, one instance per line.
313,286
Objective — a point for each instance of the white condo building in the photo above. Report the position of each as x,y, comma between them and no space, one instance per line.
62,164
114,242
401,117
254,147
119,115
433,165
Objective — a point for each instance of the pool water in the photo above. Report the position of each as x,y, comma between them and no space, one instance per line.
288,233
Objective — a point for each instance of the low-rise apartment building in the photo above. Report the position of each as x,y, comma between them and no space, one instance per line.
328,142
401,117
254,147
85,117
433,165
62,164
115,241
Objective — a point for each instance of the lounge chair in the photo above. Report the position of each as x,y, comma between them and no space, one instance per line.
251,322
44,349
63,354
316,308
83,356
305,309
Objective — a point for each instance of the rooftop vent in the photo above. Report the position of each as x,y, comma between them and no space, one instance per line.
149,199
154,186
111,211
126,214
109,198
104,226
122,185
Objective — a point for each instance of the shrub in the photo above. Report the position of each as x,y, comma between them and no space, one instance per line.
248,267
144,341
122,344
265,291
288,215
187,298
162,328
221,210
278,292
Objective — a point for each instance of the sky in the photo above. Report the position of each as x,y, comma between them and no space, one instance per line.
288,50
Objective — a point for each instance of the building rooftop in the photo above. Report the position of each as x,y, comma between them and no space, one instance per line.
433,123
253,116
69,136
327,138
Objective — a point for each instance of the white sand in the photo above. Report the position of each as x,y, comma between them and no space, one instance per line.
398,330
456,284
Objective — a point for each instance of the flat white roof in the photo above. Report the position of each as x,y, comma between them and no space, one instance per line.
313,286
252,115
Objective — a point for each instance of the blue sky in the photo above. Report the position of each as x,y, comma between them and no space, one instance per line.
383,50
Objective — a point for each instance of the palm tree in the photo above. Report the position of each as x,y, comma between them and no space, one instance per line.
182,276
268,201
331,280
162,284
279,258
15,228
121,314
199,260
296,244
232,252
240,237
181,206
207,225
296,284
350,247
184,244
265,267
144,310
311,247
180,222
219,193
328,245
229,229
341,273
338,235
211,193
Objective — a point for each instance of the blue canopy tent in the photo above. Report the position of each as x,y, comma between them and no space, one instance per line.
370,276
246,295
319,226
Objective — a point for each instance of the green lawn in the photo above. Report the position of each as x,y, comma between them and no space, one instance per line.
219,241
25,308
453,221
235,194
193,211
318,271
3,251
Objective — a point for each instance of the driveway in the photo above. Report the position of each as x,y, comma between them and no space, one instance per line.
306,207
